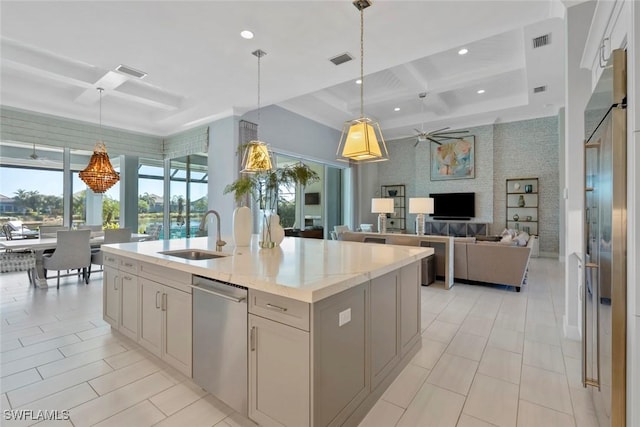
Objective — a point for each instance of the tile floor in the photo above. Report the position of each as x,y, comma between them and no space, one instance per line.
489,357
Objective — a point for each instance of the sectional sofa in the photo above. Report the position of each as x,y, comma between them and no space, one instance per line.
473,261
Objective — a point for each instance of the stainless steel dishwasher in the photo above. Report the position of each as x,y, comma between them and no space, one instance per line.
220,340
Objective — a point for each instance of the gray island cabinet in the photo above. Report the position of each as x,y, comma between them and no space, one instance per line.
329,324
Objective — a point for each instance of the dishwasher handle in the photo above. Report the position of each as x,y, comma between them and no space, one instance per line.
222,294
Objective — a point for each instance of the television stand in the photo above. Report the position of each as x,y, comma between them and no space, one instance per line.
456,228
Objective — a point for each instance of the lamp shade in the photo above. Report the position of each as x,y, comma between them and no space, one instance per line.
382,205
420,205
256,158
362,141
99,175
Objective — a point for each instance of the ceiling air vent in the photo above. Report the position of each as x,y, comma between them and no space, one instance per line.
539,89
131,71
542,41
341,59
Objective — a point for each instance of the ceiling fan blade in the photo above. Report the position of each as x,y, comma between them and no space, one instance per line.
453,131
433,140
419,131
439,130
448,137
416,144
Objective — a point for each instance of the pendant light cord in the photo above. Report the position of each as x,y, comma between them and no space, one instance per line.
258,127
361,63
100,116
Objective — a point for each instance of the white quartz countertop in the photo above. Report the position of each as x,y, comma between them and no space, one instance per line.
304,269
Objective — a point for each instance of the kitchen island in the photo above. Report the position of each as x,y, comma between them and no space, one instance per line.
329,324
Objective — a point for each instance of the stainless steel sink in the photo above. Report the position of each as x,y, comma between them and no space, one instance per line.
193,254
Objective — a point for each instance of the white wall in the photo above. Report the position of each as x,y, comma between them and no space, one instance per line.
577,93
290,133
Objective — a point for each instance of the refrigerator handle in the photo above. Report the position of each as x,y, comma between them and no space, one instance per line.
593,382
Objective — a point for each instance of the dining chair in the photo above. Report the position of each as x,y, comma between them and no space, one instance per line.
111,235
72,251
153,230
6,230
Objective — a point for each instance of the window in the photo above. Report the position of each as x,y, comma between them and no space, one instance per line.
150,194
31,184
188,184
90,208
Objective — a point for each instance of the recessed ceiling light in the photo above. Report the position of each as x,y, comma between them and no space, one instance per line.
481,91
396,109
463,51
246,34
359,82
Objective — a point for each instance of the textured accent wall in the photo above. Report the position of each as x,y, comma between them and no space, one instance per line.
526,148
529,148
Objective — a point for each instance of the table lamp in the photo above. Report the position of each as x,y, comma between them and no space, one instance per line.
420,206
382,207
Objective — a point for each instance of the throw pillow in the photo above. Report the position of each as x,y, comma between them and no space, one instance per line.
522,239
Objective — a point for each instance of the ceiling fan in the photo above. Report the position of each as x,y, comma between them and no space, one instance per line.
34,155
436,136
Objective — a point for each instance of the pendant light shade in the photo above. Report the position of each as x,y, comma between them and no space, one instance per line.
362,140
99,174
256,157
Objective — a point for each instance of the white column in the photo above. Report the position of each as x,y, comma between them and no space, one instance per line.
223,170
577,93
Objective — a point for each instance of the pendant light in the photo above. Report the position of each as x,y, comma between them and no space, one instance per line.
362,140
256,157
99,174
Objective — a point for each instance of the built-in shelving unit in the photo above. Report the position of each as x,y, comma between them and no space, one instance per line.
396,221
522,204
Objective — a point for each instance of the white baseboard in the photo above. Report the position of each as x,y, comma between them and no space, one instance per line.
571,332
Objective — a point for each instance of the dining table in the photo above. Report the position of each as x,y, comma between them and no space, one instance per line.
41,244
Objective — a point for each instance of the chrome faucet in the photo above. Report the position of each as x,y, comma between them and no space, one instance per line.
203,223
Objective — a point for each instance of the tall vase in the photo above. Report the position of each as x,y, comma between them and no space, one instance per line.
242,226
266,239
277,232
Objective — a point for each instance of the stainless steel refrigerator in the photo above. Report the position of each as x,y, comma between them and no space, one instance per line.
605,269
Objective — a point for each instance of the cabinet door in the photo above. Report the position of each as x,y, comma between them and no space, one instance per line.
150,336
176,349
278,374
111,296
409,306
384,326
129,307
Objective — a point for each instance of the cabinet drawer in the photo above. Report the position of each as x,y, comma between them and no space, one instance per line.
167,276
281,309
129,265
110,260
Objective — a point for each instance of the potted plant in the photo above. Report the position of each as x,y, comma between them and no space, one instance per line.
264,186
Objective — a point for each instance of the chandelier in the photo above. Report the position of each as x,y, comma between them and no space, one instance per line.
99,174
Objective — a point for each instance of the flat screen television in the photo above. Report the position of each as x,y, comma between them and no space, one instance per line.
460,206
312,198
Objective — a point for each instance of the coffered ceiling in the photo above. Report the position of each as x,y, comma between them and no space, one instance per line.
55,54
